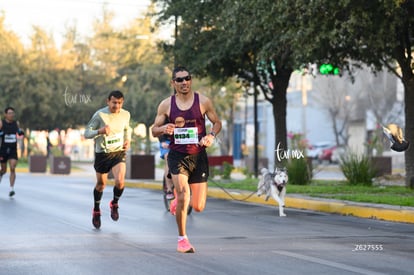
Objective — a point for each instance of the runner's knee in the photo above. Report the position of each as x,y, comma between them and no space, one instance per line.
198,207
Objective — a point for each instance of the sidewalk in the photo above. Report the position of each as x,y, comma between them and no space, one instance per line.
363,210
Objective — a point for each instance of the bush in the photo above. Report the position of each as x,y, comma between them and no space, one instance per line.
246,172
299,172
357,169
227,169
224,171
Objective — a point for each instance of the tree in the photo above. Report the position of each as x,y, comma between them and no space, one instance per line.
233,38
11,65
145,77
338,103
221,39
377,33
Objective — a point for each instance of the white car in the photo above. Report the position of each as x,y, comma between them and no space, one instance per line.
316,149
337,154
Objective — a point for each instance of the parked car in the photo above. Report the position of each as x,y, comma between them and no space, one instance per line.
337,154
326,154
316,149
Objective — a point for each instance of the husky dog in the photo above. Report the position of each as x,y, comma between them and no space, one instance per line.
395,135
274,185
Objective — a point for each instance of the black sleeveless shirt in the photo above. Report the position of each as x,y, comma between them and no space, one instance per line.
9,130
191,119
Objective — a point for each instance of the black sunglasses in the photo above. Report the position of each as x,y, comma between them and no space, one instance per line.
181,79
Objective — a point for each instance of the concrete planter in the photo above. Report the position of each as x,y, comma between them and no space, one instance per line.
37,164
60,165
382,165
140,167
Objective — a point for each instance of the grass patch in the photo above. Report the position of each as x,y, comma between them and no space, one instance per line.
340,190
23,167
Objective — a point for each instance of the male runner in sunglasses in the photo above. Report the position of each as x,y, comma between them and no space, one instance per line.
187,110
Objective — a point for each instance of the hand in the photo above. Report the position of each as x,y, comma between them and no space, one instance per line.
207,141
126,145
169,129
105,130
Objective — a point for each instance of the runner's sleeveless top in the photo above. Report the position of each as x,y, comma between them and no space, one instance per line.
9,137
190,127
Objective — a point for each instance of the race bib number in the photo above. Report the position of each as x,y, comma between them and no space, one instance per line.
114,141
186,135
10,138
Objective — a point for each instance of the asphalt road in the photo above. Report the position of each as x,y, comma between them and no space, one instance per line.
46,229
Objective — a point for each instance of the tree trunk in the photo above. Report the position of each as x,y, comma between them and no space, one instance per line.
279,103
147,140
409,131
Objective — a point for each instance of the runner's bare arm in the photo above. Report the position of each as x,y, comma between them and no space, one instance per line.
211,115
159,128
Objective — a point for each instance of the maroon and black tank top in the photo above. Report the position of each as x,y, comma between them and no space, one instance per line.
190,127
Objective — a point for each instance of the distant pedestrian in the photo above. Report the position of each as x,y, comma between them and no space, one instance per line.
49,146
244,152
165,141
9,130
110,129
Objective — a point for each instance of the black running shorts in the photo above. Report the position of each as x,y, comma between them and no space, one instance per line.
194,166
105,161
7,153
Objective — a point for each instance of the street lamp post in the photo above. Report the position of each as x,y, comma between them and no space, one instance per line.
256,136
304,91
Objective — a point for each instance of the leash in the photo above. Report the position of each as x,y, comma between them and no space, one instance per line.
229,194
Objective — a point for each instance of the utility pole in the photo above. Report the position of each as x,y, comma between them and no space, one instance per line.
256,133
175,39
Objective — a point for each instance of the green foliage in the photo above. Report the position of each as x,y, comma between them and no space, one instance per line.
393,195
357,169
375,142
285,35
214,171
227,169
298,172
245,171
64,87
56,151
297,141
341,190
224,171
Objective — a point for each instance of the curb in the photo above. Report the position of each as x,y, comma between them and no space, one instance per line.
361,210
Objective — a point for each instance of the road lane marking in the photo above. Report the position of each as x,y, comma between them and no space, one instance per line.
328,263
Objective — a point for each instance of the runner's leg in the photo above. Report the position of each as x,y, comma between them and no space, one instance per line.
198,196
182,191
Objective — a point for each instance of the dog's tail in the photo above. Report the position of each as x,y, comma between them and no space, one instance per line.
264,171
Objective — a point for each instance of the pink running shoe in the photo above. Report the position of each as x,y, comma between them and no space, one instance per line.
184,246
96,219
170,195
114,211
173,207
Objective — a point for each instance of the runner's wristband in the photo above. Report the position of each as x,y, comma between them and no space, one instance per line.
213,134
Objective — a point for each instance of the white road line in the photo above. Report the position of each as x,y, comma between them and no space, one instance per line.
328,263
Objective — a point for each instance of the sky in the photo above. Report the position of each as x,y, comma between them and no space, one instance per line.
53,15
